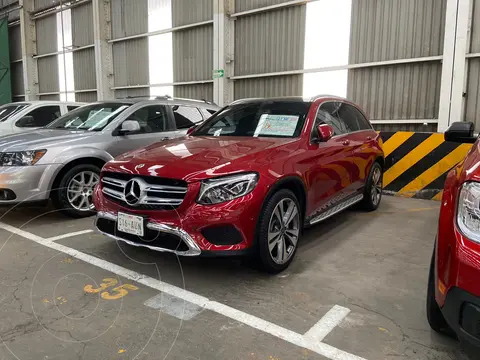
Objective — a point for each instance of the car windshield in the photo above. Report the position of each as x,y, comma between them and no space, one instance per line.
260,119
90,117
11,109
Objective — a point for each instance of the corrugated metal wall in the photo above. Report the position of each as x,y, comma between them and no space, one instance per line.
47,43
472,101
244,5
192,48
269,42
392,30
16,68
83,60
130,58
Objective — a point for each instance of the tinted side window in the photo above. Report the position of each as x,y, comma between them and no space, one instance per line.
329,114
40,117
186,116
353,118
71,107
207,112
363,123
151,119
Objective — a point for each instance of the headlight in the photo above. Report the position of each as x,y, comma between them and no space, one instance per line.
21,158
468,211
214,191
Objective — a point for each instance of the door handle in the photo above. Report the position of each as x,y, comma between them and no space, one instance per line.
346,142
165,138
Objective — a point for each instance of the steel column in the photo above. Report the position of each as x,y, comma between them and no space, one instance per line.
102,30
29,50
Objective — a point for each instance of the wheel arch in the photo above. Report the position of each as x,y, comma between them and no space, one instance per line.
296,185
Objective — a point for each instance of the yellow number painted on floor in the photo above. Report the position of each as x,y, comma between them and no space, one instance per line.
108,282
119,292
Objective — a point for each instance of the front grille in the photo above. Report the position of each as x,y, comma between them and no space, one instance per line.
155,193
470,319
151,237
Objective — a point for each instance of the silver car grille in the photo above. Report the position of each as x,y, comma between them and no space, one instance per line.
141,193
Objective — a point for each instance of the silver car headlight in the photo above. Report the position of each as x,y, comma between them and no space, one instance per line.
215,191
468,211
21,158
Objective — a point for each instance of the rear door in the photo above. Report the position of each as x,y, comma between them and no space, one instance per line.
361,137
155,125
185,117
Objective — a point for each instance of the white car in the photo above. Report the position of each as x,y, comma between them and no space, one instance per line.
28,115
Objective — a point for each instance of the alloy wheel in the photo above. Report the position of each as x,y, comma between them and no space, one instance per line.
376,192
80,190
283,231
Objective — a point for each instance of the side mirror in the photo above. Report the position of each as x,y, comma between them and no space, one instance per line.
191,129
460,132
26,121
129,126
325,132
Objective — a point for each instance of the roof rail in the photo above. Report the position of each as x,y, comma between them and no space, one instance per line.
325,95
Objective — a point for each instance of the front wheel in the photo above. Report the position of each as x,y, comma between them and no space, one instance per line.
278,231
73,197
372,194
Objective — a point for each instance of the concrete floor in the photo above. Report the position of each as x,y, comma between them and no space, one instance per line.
375,264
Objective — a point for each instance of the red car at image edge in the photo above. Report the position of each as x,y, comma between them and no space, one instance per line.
246,181
453,296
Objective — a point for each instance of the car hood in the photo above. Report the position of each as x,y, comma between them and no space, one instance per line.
41,139
195,158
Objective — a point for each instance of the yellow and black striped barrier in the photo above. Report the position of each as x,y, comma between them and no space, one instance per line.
416,164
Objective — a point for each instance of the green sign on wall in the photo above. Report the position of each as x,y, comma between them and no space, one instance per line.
5,82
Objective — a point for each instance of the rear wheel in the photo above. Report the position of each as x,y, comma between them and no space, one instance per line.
434,314
278,231
73,197
372,194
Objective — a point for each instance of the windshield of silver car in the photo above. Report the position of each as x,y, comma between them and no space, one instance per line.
9,110
90,117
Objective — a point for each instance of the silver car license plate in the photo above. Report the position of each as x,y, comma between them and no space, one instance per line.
130,224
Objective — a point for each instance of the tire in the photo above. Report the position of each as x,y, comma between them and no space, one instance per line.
60,195
372,194
434,314
271,257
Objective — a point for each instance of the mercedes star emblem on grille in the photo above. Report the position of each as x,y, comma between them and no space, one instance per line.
132,192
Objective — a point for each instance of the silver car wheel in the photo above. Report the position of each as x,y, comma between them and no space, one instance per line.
283,231
80,190
376,192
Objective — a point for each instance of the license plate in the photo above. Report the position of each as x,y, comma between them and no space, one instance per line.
130,224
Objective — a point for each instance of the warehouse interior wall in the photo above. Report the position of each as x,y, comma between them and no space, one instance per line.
387,56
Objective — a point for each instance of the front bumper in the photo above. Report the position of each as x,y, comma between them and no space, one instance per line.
27,183
462,313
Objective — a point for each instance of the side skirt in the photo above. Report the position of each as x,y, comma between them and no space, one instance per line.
335,209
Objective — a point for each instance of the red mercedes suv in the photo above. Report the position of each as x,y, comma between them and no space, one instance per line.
453,296
247,180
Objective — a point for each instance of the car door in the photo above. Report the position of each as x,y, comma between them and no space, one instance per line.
155,125
38,117
329,175
361,137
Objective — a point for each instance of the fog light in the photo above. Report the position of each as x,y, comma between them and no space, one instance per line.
7,194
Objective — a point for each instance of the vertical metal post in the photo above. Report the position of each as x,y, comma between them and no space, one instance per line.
29,50
223,50
102,30
454,63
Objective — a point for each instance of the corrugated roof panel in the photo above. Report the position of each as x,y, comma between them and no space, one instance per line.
17,78
199,91
472,106
398,92
15,42
129,17
46,29
82,25
84,69
244,5
270,42
275,86
48,74
130,62
193,54
191,11
392,29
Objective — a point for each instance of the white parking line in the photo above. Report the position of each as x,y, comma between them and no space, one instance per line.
64,236
327,323
292,337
